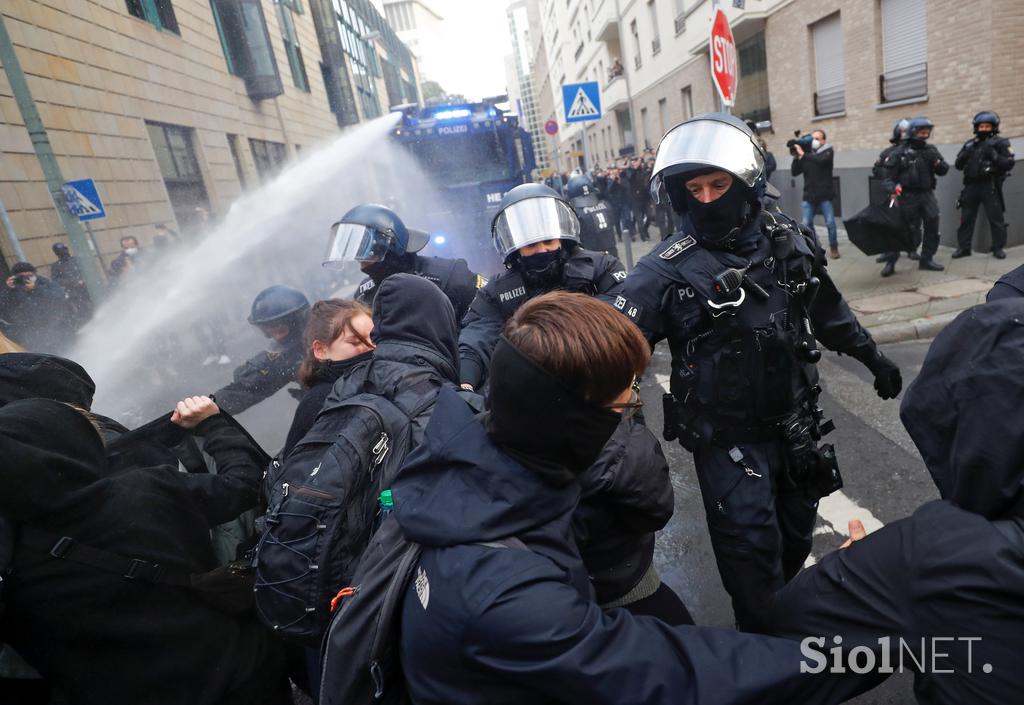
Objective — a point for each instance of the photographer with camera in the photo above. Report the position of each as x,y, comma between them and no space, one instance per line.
985,159
34,311
813,158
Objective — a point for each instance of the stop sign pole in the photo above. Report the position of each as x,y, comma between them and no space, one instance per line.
724,67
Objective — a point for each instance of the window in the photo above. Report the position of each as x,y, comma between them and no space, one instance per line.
830,88
236,157
687,95
269,157
637,62
246,43
159,13
680,17
652,8
663,115
752,91
175,154
291,44
904,50
646,128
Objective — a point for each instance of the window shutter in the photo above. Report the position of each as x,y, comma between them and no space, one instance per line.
830,96
904,49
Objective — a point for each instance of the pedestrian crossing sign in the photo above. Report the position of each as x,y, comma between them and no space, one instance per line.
582,101
83,200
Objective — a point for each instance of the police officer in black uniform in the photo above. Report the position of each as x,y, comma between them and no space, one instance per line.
985,159
376,238
900,132
537,234
742,294
280,312
909,174
597,217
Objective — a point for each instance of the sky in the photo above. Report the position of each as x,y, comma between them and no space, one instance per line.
470,56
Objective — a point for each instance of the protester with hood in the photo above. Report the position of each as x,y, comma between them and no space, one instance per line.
742,295
337,342
1009,285
951,576
501,609
34,311
100,598
537,234
376,238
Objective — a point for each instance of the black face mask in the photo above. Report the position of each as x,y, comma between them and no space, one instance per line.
544,269
390,264
715,221
542,423
983,135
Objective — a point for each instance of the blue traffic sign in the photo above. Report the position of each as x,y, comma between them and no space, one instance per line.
582,101
83,200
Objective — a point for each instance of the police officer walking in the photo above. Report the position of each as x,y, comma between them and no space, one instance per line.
899,135
597,217
376,238
742,294
280,312
537,235
909,175
985,159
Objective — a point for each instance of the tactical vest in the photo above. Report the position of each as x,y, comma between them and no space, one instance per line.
914,168
597,226
979,166
578,275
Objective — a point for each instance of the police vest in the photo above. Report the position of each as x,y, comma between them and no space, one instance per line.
597,229
578,275
914,167
438,270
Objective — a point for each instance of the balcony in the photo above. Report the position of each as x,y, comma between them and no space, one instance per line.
605,23
613,94
680,23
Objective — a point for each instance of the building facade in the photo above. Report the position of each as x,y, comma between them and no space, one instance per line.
174,107
849,68
523,17
418,24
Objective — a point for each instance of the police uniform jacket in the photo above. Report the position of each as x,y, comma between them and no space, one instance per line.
597,223
452,276
983,159
262,376
586,272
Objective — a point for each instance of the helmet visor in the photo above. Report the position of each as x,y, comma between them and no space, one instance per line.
534,220
700,144
352,242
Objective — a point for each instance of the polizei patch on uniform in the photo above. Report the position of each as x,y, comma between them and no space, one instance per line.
678,248
512,294
422,587
630,309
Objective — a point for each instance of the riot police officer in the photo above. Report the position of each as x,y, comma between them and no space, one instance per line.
280,312
741,294
376,238
537,235
597,217
899,135
909,174
985,159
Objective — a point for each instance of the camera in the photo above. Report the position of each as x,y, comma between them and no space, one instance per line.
803,140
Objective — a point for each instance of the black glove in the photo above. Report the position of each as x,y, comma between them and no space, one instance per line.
888,380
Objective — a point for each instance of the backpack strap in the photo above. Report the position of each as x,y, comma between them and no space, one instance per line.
67,548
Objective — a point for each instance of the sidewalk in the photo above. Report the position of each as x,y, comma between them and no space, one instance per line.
912,303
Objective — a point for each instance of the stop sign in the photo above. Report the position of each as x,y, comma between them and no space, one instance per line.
724,70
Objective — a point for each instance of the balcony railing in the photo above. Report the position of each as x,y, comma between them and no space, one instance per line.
680,23
830,100
903,84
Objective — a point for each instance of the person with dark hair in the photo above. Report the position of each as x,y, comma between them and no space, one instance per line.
280,313
536,232
986,160
501,609
816,166
66,274
376,238
101,598
742,296
126,261
337,341
947,582
34,311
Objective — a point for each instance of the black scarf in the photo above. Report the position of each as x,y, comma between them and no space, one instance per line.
543,271
718,222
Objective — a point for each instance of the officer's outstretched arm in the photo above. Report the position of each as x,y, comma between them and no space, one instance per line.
640,299
612,275
256,380
480,332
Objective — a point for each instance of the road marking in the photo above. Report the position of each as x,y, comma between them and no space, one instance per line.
663,380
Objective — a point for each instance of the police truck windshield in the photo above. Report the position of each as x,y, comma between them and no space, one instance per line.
473,159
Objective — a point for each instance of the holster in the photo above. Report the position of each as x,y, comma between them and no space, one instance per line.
677,424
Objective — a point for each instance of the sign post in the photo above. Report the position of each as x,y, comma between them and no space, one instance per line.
582,103
83,201
724,67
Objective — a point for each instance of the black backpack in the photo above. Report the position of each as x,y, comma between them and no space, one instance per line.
360,653
323,504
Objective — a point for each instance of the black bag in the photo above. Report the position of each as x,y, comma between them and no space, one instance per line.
323,505
879,228
360,653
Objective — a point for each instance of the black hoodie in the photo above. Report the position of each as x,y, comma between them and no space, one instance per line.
955,568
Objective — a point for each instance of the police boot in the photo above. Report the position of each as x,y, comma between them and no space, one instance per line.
962,252
998,253
913,255
889,269
929,265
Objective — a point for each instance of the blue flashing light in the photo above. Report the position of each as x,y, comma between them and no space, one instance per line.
452,114
491,112
439,239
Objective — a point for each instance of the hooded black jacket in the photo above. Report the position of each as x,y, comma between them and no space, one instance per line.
484,624
817,170
955,568
98,636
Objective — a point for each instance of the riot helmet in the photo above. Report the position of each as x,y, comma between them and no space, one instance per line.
916,125
532,213
900,131
370,232
579,185
988,116
278,307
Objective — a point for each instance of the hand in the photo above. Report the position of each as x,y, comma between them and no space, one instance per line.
898,191
857,532
192,411
11,282
799,150
467,386
888,380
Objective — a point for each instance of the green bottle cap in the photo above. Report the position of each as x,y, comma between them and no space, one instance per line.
385,500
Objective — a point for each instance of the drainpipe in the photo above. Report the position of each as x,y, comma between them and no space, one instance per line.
11,235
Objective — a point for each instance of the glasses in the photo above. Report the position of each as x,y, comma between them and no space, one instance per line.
630,408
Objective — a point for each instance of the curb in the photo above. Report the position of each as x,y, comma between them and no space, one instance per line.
919,328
